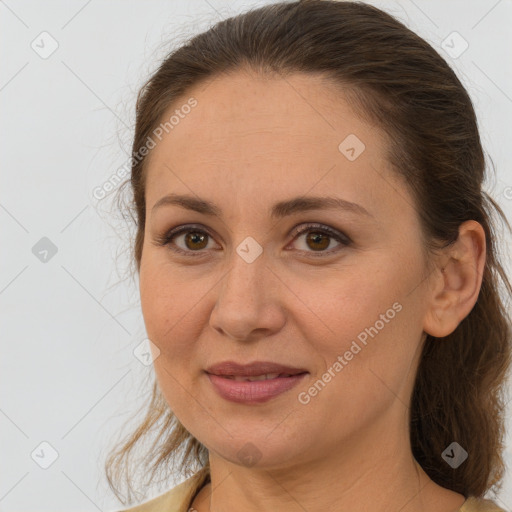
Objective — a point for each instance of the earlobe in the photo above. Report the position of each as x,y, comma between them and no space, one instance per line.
456,281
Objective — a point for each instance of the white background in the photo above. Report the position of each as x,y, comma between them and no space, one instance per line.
69,326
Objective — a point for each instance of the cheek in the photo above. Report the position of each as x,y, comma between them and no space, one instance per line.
167,306
168,312
347,303
368,318
362,364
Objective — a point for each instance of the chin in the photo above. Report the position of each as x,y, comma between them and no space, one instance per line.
256,451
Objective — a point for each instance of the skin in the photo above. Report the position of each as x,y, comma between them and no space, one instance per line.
249,143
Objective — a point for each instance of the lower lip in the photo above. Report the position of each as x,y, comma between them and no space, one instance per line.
254,392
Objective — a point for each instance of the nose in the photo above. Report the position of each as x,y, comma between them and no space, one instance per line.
248,304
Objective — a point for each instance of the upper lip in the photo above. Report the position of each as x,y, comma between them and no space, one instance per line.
254,369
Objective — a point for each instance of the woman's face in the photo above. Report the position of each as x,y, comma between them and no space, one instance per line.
348,311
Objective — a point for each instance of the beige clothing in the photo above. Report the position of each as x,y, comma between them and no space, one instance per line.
179,498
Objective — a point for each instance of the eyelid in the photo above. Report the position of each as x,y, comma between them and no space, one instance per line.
165,239
311,226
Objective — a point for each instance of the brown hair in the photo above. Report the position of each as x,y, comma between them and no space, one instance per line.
397,80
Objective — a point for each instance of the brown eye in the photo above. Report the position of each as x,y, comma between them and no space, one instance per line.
196,239
318,238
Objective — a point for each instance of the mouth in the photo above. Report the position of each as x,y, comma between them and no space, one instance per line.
257,370
254,389
254,383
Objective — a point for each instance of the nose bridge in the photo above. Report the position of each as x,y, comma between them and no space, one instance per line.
247,259
247,270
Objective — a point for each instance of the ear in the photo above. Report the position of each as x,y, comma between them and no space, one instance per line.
456,280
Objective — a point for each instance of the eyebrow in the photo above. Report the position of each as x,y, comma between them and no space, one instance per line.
279,210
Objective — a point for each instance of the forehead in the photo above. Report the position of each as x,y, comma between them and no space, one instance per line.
278,137
307,108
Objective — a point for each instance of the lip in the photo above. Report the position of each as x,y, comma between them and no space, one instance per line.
259,391
232,368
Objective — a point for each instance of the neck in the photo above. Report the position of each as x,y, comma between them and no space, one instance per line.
367,472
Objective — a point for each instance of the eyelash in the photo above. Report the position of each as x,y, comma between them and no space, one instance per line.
344,240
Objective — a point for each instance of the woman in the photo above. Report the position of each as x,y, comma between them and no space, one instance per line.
307,182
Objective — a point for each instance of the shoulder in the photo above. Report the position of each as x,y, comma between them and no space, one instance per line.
473,504
176,499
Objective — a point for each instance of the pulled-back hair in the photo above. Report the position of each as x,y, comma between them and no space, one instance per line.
396,80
